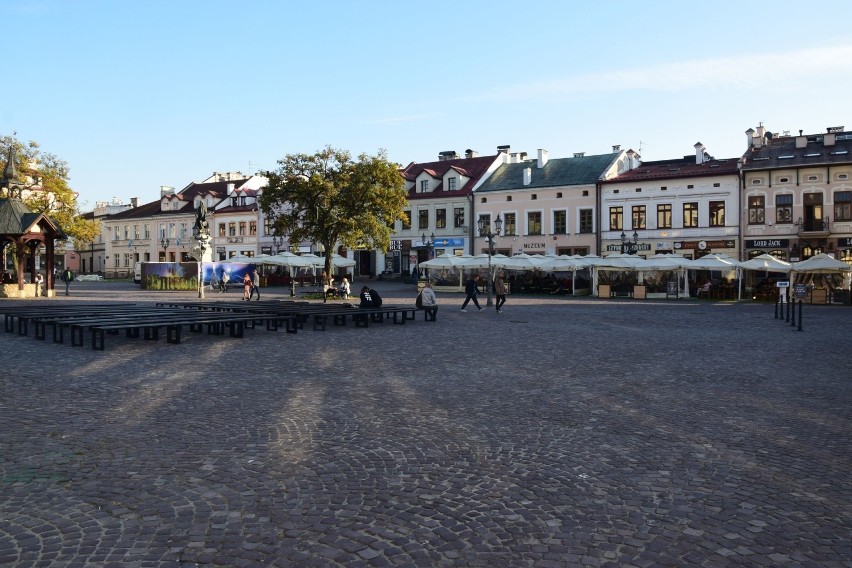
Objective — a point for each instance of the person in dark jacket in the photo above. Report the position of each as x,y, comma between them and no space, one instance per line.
67,277
470,288
369,298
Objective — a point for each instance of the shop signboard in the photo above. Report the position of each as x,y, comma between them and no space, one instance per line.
767,243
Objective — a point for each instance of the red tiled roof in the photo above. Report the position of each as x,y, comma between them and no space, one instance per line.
674,169
473,168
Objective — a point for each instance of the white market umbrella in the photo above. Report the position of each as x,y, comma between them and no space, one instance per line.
240,258
768,263
446,260
523,261
821,264
714,262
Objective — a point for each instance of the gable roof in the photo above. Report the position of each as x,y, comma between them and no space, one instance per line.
218,189
677,169
16,218
472,168
579,170
781,152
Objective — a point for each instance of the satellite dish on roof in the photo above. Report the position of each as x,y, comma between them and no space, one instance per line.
769,136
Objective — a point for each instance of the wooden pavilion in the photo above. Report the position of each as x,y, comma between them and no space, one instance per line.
26,231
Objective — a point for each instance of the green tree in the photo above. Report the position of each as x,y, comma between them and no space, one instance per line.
329,198
44,180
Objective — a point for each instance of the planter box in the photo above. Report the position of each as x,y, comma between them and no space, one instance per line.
639,292
604,290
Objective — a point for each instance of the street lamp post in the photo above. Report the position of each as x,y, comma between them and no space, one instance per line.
164,242
277,242
485,231
429,244
629,246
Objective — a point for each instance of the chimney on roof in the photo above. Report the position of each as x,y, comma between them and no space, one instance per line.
134,202
230,188
616,148
699,153
527,176
542,158
447,155
801,141
166,190
829,138
503,149
471,153
749,137
761,130
579,154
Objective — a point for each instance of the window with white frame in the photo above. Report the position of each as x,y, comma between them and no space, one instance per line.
424,185
509,224
587,224
560,222
534,222
423,219
441,218
451,183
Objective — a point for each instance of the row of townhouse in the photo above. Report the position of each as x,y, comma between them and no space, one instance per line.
786,195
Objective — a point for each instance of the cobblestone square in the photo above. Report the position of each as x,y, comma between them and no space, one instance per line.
562,432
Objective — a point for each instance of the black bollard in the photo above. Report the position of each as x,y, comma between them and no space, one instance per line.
800,315
776,307
793,319
788,312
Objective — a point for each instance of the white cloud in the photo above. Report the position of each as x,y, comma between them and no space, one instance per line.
728,72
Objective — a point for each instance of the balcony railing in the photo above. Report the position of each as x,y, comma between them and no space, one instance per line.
814,226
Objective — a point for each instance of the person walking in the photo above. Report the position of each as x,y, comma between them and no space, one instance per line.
255,285
500,292
67,277
471,289
247,287
39,280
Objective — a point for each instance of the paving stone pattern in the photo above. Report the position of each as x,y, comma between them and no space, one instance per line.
562,432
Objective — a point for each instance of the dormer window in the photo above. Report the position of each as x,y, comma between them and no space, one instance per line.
451,183
242,200
234,201
424,186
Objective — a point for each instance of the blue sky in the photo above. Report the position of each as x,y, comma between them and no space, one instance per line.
139,94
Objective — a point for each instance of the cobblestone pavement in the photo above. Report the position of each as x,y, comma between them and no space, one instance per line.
562,432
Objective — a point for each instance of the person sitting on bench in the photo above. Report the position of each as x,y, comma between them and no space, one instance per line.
429,302
370,298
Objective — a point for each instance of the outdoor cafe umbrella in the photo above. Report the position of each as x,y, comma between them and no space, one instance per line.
666,262
768,263
447,261
522,261
821,264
